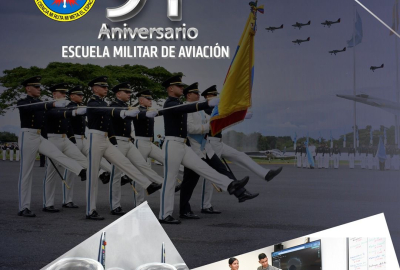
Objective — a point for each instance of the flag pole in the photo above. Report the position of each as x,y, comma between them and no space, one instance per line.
354,76
397,130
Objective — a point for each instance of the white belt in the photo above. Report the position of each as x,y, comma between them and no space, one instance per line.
53,135
149,139
31,130
215,139
95,131
79,137
176,139
126,139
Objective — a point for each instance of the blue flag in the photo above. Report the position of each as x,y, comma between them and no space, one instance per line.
381,153
358,33
309,156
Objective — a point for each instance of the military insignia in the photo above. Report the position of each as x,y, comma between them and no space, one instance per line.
64,10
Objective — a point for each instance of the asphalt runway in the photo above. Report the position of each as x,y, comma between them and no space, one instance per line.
296,203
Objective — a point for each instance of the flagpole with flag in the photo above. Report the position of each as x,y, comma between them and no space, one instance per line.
235,97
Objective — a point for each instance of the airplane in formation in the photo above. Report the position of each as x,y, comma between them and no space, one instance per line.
300,25
337,51
374,67
272,28
298,41
329,23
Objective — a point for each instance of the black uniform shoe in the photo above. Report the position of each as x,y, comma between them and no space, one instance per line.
210,210
105,177
50,209
26,213
247,196
189,215
237,184
82,175
170,220
125,180
178,187
272,173
94,216
153,188
70,205
118,211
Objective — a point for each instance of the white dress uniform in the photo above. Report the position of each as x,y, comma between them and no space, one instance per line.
31,141
57,128
177,152
363,157
336,157
319,157
351,156
304,158
4,152
100,128
123,130
327,157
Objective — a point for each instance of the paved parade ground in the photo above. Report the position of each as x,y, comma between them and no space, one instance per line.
296,203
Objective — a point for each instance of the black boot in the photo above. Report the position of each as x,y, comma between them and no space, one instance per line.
105,177
178,187
82,175
125,180
237,184
153,188
272,173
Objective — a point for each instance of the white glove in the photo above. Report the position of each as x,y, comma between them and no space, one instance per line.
130,113
249,115
60,103
213,102
80,111
151,114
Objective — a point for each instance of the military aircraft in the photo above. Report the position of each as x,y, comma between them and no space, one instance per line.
373,67
299,25
271,154
337,51
272,28
387,105
329,23
298,41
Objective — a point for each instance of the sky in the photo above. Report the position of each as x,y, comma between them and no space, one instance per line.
295,86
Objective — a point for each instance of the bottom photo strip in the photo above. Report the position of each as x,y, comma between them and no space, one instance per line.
138,241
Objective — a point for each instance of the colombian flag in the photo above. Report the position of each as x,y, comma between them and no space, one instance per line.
235,97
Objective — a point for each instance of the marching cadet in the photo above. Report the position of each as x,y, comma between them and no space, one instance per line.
336,156
326,156
298,151
363,152
57,129
320,153
16,152
351,154
76,134
30,140
198,126
122,129
100,128
4,153
11,151
224,151
177,152
144,137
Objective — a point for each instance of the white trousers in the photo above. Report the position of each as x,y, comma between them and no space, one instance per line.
336,159
30,143
11,155
17,155
243,160
99,147
142,170
148,150
4,153
351,161
326,159
298,157
51,176
304,160
70,177
177,153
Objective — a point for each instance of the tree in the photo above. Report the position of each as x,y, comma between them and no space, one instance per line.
140,77
8,137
